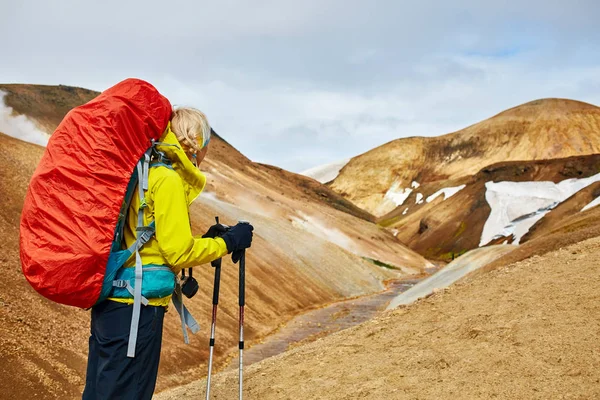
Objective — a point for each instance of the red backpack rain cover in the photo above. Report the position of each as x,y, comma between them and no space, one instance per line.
74,197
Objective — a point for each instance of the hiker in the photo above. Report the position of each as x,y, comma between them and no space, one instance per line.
173,183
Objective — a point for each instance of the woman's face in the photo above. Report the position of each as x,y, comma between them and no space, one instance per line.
202,154
197,157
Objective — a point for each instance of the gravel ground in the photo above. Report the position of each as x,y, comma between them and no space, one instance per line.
526,331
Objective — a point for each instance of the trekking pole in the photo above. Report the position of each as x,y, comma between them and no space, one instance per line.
242,302
217,265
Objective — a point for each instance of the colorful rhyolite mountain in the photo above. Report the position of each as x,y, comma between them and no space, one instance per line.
379,180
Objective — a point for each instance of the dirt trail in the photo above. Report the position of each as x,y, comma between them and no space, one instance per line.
324,321
527,331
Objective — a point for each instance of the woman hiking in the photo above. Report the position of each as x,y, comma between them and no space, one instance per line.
174,181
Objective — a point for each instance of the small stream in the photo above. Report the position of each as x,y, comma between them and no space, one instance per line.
322,322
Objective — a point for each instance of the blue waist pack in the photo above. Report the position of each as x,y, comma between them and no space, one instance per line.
157,281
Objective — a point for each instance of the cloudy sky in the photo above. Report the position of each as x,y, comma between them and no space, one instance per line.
303,83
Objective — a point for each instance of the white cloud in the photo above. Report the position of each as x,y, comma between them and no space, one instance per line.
299,84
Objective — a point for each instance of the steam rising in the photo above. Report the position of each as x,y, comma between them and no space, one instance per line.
19,126
318,228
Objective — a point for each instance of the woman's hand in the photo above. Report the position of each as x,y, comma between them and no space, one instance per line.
216,230
238,238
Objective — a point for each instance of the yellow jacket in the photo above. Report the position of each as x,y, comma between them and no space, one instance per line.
170,193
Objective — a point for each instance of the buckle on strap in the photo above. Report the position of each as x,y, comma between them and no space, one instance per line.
145,233
124,284
120,283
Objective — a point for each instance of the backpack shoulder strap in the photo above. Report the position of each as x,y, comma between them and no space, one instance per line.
142,232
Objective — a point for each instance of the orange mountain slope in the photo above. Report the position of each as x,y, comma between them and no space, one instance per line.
45,104
311,247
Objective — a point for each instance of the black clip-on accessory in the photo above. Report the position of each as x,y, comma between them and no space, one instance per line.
189,284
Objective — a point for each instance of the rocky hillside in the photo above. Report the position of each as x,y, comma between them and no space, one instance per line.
378,180
311,247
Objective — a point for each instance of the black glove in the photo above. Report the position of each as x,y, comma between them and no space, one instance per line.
237,256
216,230
238,238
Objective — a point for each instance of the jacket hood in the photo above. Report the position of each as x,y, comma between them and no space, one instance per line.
193,179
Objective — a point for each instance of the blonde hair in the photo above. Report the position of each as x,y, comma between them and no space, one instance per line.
191,128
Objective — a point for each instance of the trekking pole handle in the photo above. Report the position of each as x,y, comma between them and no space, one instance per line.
242,290
217,263
217,284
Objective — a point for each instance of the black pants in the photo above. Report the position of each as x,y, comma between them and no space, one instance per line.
110,373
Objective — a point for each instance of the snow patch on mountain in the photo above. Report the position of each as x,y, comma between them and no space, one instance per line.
397,194
326,173
594,203
517,206
447,192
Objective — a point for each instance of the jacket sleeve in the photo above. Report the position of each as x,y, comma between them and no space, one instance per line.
173,232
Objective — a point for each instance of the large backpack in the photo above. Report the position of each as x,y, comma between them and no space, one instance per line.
78,197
